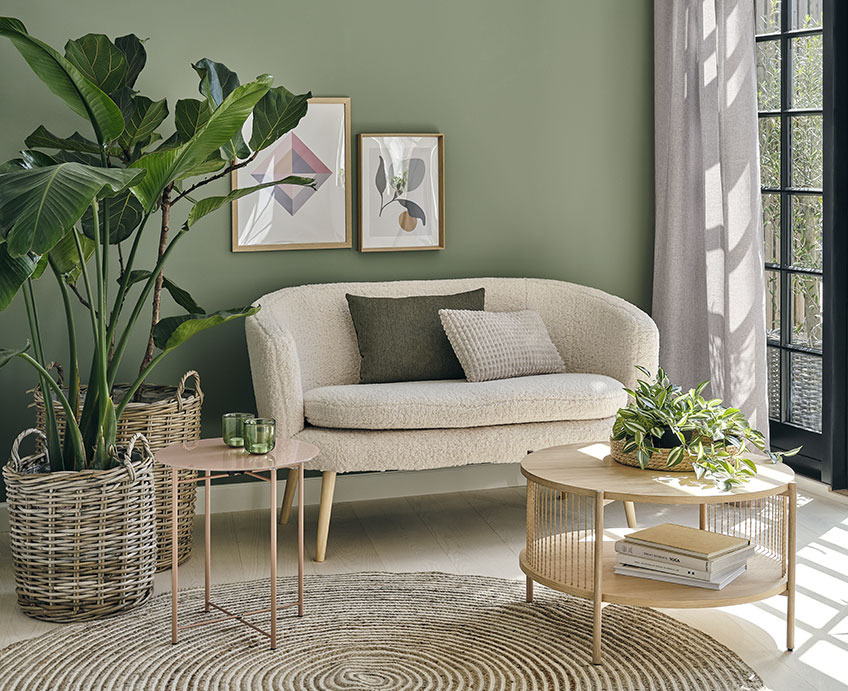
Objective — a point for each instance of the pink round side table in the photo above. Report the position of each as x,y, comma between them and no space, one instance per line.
213,456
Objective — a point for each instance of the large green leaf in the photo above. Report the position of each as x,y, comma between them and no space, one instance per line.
174,331
278,112
190,115
182,297
210,204
36,159
100,60
44,139
210,165
65,80
125,214
65,257
14,271
41,205
217,81
166,166
135,55
144,118
6,354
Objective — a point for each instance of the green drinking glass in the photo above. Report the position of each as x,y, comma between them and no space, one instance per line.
259,435
232,428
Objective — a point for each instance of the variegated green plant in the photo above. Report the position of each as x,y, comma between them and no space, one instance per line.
67,201
715,439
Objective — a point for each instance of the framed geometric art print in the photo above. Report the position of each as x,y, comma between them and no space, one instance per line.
291,217
401,192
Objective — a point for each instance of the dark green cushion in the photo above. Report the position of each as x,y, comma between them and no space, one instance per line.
402,339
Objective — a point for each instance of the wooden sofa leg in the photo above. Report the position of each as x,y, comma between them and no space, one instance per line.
288,496
328,485
630,514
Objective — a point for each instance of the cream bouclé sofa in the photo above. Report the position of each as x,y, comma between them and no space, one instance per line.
305,366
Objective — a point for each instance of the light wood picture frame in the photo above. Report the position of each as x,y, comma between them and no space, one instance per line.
286,217
404,175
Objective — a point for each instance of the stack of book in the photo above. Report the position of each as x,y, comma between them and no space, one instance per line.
679,554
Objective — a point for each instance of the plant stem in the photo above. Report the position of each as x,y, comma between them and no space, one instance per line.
54,451
125,276
73,364
69,413
137,383
148,286
157,288
229,169
99,384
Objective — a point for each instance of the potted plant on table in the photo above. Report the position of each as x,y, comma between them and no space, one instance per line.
65,204
664,427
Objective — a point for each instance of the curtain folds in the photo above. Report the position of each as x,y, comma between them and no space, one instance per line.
709,291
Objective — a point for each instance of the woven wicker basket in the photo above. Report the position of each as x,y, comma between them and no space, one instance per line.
167,415
83,543
658,460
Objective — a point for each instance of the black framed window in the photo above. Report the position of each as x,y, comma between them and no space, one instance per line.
790,81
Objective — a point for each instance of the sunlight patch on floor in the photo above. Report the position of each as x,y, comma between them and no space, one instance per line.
829,659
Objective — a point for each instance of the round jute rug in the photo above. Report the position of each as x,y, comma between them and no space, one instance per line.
380,631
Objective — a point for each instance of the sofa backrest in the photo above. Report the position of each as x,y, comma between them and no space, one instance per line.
317,319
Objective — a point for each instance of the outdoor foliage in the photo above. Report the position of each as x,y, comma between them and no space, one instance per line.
68,200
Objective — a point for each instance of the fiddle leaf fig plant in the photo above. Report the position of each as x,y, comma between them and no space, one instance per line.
661,415
69,203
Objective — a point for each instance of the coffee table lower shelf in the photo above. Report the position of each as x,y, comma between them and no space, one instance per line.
762,580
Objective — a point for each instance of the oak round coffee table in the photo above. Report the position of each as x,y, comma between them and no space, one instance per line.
567,550
213,456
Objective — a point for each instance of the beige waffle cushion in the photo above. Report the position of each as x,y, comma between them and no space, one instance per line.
500,345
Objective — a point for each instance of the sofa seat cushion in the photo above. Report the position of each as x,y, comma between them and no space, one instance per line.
460,404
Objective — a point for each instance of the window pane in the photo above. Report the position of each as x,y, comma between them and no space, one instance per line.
805,402
807,231
768,16
806,151
805,14
771,227
807,72
773,382
773,305
768,75
770,152
807,310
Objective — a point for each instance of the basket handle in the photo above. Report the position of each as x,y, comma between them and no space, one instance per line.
181,387
16,456
127,459
60,372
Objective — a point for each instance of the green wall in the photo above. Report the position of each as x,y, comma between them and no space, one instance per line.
546,107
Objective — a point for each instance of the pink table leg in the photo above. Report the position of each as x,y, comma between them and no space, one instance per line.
208,530
273,559
174,556
300,503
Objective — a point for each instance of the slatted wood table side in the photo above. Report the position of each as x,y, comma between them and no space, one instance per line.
567,548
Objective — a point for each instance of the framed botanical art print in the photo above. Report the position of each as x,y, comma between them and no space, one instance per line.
401,192
290,217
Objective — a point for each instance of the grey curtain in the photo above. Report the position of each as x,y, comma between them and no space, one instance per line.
709,292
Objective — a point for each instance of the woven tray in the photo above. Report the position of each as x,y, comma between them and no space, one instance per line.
658,460
83,543
166,415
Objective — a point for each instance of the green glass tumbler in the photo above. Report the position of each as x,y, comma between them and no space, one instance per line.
259,435
232,428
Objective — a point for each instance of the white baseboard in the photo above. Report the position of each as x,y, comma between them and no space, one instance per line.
244,496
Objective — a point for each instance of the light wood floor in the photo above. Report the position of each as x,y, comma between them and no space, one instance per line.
482,533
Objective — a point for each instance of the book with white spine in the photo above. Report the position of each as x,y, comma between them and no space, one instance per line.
672,557
680,580
714,576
